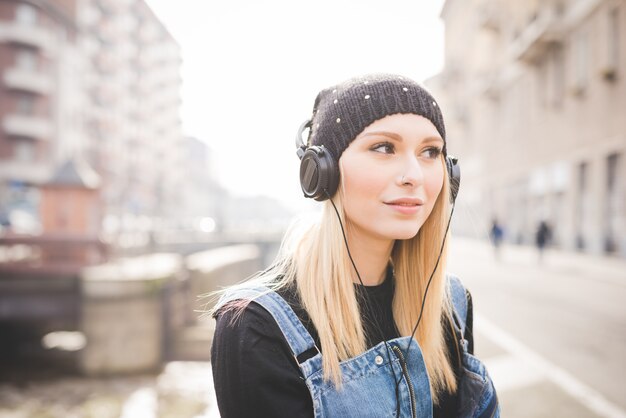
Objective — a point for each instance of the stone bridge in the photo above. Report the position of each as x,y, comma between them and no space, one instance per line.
130,314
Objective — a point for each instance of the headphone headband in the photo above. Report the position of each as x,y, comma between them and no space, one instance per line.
300,144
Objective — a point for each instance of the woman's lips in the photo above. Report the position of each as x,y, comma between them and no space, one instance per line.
405,208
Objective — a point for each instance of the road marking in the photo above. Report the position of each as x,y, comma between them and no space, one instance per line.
510,372
568,383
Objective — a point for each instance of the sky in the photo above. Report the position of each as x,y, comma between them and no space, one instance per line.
252,68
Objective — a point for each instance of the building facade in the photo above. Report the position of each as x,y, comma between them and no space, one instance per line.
38,58
534,95
97,80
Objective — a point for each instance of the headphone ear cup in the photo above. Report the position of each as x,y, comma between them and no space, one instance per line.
454,175
318,173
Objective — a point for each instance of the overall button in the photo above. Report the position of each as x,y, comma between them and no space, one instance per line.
378,360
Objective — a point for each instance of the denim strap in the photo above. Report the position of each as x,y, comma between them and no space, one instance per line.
459,301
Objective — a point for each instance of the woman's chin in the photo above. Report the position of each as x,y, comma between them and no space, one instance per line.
403,233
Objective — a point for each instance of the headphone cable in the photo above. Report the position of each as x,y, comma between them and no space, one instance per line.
367,301
419,319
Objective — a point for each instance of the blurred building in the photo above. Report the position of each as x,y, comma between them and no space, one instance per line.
98,80
534,95
202,196
40,99
255,214
134,127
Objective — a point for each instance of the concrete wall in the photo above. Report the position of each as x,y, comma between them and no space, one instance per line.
216,269
122,314
138,312
209,271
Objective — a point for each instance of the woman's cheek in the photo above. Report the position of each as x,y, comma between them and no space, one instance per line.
435,185
364,183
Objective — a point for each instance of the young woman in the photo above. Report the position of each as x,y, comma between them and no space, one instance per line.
357,317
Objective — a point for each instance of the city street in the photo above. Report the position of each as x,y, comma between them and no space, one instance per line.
553,337
553,334
147,164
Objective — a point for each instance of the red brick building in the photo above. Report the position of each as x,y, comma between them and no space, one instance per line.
96,80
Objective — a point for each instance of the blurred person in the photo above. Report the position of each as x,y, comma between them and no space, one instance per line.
542,238
313,335
496,233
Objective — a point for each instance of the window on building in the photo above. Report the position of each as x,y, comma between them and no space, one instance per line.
25,104
26,14
611,171
551,72
542,83
582,206
581,60
614,206
558,75
26,59
24,150
614,38
582,178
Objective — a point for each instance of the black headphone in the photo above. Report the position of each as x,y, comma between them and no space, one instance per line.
319,174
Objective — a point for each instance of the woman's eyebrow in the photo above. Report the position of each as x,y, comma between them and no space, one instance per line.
391,135
434,139
396,137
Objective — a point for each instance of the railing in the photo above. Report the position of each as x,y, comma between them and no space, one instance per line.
36,127
536,38
32,81
30,35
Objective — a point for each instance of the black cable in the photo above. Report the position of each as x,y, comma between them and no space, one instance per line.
367,301
419,319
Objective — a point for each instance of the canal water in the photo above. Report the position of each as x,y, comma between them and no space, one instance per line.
180,390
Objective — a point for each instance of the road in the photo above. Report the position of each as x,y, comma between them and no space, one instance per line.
553,334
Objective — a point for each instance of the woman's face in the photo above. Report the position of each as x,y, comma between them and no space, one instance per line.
392,174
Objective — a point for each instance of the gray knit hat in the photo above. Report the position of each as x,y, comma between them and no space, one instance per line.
343,111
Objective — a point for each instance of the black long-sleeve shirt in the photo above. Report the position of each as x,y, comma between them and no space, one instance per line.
256,375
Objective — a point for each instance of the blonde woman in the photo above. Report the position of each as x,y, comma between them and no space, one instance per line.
357,317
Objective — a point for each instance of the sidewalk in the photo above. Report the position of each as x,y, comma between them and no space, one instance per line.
529,385
610,268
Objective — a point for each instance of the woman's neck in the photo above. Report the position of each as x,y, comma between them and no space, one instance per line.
371,257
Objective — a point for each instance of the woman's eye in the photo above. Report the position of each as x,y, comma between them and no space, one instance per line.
432,153
383,148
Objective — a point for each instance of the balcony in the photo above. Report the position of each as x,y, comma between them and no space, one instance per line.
25,80
538,37
29,35
35,172
26,126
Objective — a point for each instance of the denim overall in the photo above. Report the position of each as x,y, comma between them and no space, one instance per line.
368,387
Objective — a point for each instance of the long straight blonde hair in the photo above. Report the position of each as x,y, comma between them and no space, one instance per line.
317,261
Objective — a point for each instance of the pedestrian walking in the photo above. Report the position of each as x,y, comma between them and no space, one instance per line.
496,233
542,238
357,316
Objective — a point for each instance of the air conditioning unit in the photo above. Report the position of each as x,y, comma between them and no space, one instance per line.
608,72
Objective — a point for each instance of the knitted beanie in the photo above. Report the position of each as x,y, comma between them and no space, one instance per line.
343,111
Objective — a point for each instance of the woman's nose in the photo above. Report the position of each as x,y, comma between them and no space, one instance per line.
411,173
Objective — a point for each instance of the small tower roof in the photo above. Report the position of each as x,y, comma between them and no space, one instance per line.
75,173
